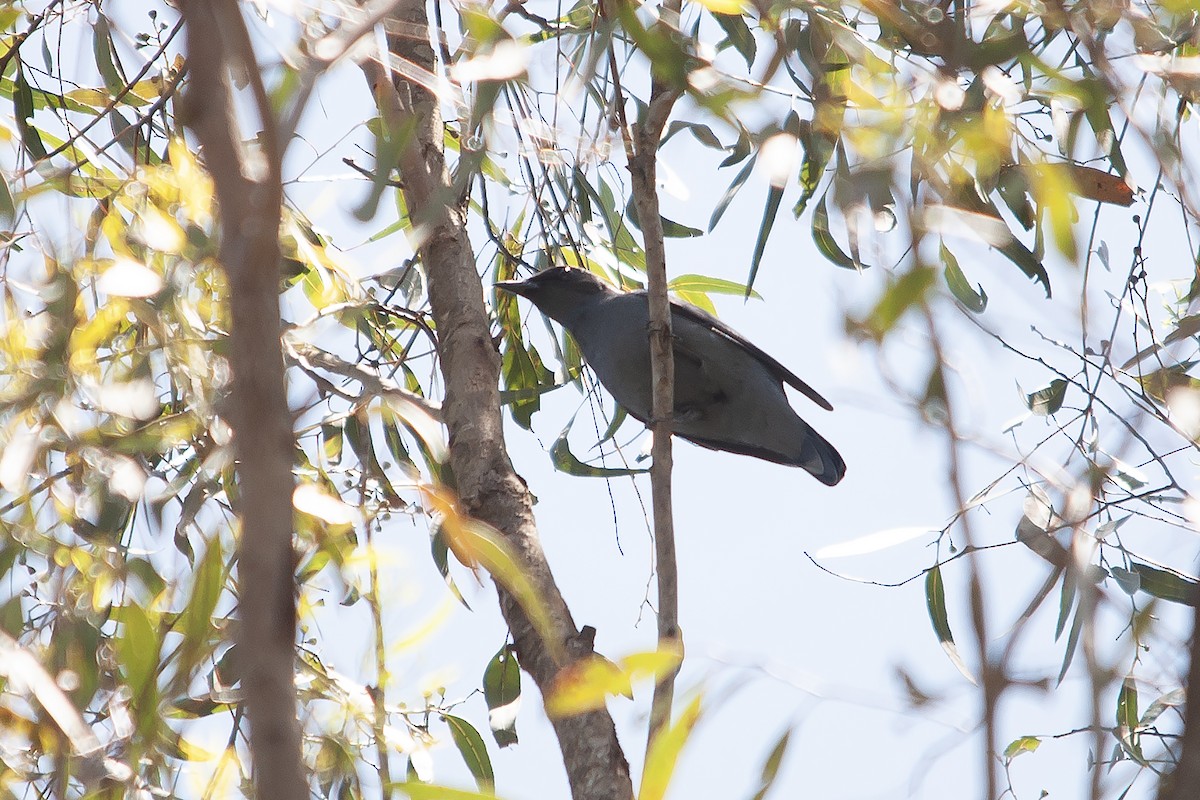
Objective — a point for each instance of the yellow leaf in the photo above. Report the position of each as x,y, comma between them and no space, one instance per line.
723,6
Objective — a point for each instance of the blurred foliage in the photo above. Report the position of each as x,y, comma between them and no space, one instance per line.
905,134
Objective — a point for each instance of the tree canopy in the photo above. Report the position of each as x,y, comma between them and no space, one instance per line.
252,355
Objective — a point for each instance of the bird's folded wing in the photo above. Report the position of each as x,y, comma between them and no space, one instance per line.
781,372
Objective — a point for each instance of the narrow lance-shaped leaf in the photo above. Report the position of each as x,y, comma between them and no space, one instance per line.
957,282
935,602
473,750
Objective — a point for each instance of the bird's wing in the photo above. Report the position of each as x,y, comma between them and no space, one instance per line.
781,372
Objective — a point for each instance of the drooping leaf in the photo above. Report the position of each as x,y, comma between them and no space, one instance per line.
957,282
1048,400
935,603
823,237
502,693
738,35
770,769
473,750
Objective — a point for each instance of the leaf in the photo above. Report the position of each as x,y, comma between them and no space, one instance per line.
195,622
138,648
935,602
23,106
103,53
1066,602
770,210
771,766
441,552
502,693
1072,643
677,230
585,685
824,238
477,544
902,294
566,461
1127,704
1172,699
1169,586
1026,744
665,749
1048,400
738,35
474,752
730,192
1127,719
958,285
703,283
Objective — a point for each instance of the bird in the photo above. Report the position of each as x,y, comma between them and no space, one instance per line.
729,394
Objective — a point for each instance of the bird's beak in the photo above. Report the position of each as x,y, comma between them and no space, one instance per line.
512,287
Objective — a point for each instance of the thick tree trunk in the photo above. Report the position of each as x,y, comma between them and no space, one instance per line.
249,209
489,488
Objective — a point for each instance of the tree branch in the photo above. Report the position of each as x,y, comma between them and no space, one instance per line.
250,207
643,167
489,488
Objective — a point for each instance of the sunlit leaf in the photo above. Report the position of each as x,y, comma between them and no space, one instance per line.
665,750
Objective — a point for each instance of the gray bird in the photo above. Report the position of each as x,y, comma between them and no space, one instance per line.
728,393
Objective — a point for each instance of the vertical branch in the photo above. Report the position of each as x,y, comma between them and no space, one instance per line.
488,487
1184,782
991,673
643,167
250,200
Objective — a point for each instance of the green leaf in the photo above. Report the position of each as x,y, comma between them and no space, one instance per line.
502,692
905,292
566,461
771,767
824,238
1066,602
138,648
1048,400
474,752
1127,719
440,551
935,602
738,35
23,107
958,285
677,230
195,622
1127,704
1026,744
770,210
703,283
1169,586
730,192
1072,643
103,53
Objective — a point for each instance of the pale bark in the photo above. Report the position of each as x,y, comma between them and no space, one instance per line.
487,485
249,210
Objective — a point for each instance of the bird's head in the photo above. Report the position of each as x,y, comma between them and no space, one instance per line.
559,292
